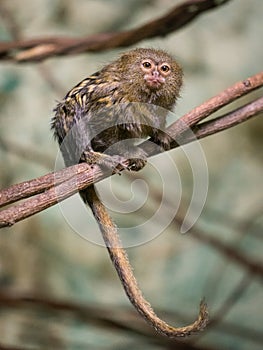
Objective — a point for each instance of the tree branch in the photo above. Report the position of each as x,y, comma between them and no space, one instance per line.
254,267
51,188
215,103
225,121
42,48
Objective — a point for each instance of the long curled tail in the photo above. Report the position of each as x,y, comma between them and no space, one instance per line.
121,263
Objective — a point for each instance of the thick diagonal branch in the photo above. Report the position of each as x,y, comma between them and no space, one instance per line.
49,189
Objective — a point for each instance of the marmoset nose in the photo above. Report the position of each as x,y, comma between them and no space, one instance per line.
155,73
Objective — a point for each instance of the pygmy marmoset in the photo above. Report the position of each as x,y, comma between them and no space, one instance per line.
127,99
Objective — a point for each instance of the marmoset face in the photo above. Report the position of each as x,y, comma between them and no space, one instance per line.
155,73
150,76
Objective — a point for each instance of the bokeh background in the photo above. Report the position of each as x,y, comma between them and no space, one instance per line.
43,257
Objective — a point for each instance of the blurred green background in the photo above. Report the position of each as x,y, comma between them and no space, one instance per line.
43,256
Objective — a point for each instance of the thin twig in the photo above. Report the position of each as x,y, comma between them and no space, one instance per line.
227,96
226,121
42,48
54,187
255,267
231,300
12,347
110,318
14,31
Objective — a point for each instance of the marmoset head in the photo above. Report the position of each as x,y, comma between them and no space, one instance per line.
150,76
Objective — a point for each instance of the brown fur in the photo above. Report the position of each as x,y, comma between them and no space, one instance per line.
126,101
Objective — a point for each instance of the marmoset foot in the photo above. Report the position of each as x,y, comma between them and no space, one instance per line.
163,140
114,163
137,159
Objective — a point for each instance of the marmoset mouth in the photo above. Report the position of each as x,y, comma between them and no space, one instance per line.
154,82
